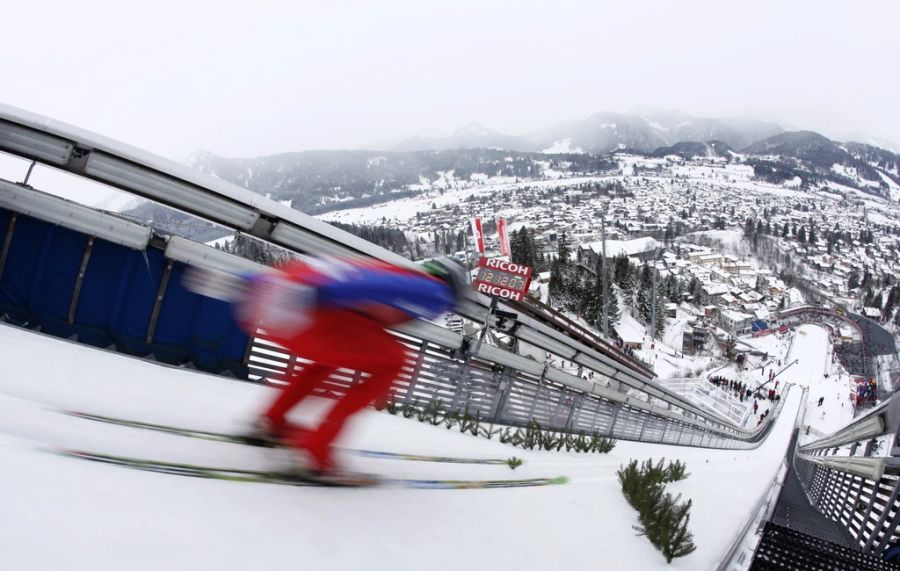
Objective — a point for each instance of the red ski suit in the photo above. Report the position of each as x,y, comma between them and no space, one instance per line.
337,338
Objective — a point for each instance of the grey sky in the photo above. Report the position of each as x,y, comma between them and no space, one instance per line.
247,79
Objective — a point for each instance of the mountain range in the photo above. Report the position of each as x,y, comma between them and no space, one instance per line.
603,133
319,181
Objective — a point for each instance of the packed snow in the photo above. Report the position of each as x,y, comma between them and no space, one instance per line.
98,516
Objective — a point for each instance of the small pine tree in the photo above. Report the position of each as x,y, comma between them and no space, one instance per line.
644,303
660,313
670,529
676,471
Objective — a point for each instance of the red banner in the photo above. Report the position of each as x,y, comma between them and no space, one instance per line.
503,235
477,235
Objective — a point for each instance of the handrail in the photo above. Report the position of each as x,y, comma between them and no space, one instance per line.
870,468
533,306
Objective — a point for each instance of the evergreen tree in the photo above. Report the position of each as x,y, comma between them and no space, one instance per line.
522,248
853,280
669,233
677,293
595,297
668,530
627,285
556,287
696,290
660,312
562,249
890,303
564,286
868,298
580,292
749,228
644,295
621,268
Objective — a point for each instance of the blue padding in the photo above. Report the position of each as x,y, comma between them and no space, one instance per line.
54,283
177,315
108,267
218,343
198,329
116,300
134,300
30,241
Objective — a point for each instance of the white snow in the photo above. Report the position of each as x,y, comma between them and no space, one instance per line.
893,186
795,182
728,239
811,346
220,241
628,247
655,125
406,208
563,146
66,513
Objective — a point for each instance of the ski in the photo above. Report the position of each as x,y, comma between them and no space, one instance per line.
249,441
292,479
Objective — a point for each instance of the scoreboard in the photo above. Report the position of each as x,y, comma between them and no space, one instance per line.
502,279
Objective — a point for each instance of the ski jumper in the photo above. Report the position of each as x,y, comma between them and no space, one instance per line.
334,313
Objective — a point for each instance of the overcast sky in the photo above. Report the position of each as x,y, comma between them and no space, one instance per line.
249,79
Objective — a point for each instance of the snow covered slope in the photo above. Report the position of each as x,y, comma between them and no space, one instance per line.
67,513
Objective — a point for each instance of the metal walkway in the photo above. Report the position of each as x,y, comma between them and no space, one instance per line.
786,549
794,511
799,537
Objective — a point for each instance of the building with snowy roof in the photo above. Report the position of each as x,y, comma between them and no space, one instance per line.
638,249
735,322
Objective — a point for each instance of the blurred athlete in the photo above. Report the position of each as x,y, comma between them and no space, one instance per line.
334,312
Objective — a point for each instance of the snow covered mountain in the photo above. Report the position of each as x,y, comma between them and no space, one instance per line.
319,181
815,157
471,136
604,132
689,150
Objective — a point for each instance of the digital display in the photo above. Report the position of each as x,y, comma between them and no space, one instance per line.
499,278
503,279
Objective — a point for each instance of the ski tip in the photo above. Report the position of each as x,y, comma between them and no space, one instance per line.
70,452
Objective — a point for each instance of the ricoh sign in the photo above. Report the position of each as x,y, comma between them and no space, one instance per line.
502,279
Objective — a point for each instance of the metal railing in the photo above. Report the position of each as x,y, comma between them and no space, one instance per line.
852,482
503,394
716,399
